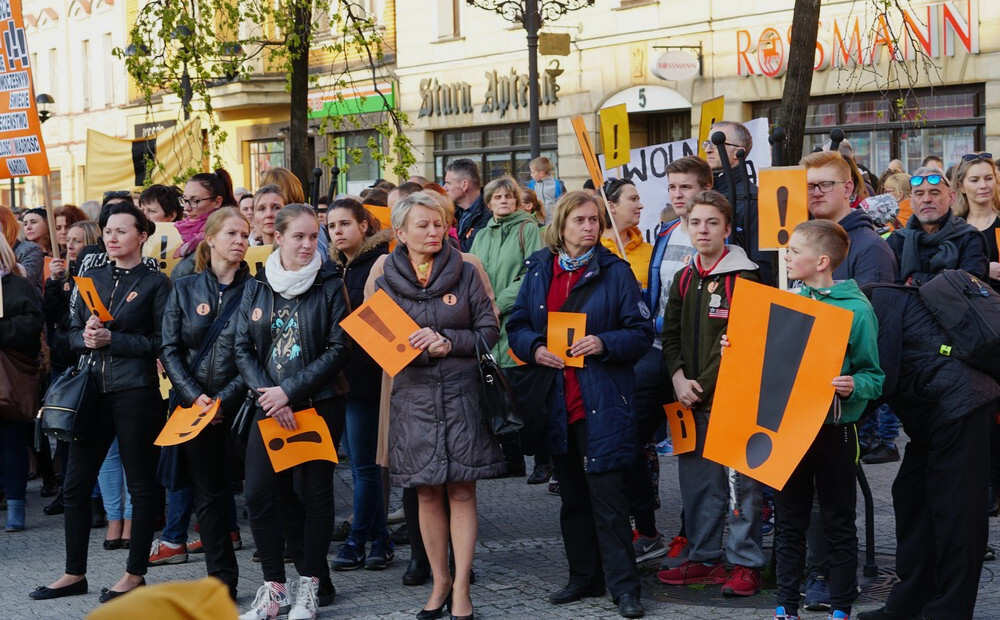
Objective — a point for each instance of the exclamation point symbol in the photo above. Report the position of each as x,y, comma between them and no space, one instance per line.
569,340
684,428
614,155
309,436
785,344
368,316
163,252
782,214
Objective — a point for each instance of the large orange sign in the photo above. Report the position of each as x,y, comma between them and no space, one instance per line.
22,151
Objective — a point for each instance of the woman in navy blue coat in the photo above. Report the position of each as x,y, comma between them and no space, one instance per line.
590,411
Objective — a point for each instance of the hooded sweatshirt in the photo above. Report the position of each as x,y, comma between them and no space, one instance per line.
861,359
870,258
695,321
637,252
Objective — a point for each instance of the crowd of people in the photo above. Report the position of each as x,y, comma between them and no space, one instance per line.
481,268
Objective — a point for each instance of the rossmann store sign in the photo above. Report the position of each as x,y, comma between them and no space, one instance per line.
936,30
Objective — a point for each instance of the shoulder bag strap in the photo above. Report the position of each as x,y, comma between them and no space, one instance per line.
216,329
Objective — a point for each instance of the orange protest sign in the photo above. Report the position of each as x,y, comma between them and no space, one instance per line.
712,111
782,204
774,387
21,147
47,269
587,147
682,429
162,244
185,423
615,136
311,441
88,293
382,329
565,328
382,214
256,257
996,231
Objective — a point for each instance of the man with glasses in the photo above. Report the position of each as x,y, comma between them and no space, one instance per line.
934,239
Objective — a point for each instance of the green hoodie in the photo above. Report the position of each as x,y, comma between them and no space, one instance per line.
861,361
503,246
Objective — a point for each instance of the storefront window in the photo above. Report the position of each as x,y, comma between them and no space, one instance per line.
264,155
497,150
360,174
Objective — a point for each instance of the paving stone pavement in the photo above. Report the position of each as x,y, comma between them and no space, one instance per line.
519,560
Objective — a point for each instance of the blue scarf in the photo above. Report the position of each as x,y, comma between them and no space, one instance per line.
569,263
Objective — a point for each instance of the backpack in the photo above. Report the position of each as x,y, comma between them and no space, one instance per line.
969,312
687,274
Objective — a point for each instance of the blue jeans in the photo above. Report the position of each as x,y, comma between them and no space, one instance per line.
879,427
111,480
362,436
179,507
14,460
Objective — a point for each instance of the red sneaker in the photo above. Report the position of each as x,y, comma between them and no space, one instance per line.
162,554
677,546
742,581
693,572
195,546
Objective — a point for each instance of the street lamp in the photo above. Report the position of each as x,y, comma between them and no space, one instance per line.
530,13
44,100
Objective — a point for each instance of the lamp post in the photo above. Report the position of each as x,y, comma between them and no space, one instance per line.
530,13
42,102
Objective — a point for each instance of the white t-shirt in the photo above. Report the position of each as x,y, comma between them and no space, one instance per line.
676,256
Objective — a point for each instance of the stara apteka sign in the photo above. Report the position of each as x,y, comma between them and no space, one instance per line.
503,92
935,30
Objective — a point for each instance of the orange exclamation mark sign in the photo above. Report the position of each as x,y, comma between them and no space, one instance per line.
782,196
368,316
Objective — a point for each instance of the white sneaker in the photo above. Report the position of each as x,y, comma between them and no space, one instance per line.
305,599
271,601
396,516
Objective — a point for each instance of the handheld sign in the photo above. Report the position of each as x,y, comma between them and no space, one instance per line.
185,423
615,136
712,111
682,429
23,151
774,387
565,328
162,244
88,293
782,204
587,148
382,329
311,441
256,257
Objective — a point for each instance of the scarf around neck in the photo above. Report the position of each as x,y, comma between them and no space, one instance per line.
947,255
569,263
192,232
291,284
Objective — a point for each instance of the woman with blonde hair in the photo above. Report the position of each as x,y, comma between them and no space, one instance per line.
898,185
291,187
267,201
978,202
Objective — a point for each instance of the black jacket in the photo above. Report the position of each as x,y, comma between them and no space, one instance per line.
745,233
471,221
191,311
56,305
135,298
869,259
325,345
21,325
971,249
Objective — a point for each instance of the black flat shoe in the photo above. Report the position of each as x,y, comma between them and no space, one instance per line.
43,593
126,543
417,573
107,595
434,614
112,544
55,507
574,592
629,606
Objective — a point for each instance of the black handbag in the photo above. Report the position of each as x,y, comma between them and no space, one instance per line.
69,401
496,398
240,423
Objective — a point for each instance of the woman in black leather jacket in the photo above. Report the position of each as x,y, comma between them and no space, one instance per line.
290,350
196,303
127,403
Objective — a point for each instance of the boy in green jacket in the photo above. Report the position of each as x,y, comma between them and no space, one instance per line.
815,250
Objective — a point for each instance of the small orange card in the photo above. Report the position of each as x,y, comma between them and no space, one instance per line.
996,231
256,257
88,293
47,269
185,423
783,204
383,329
565,328
311,441
682,430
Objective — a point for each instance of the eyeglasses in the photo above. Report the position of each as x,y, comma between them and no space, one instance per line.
824,187
709,145
193,202
933,179
977,156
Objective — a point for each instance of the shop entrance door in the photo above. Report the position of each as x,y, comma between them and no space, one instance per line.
651,128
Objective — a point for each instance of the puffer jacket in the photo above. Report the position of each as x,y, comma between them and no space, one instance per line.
637,251
437,430
617,314
191,311
22,321
136,299
748,239
869,259
921,385
325,346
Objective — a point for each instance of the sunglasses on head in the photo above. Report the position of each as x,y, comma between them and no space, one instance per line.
977,156
117,194
933,179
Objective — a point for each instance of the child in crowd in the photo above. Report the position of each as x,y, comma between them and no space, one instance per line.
548,188
815,250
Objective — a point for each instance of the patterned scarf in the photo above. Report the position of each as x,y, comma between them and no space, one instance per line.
569,263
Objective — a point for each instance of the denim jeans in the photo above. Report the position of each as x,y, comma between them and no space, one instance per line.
111,480
13,460
362,436
179,506
879,427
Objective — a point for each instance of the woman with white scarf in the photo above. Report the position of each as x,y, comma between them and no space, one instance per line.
290,351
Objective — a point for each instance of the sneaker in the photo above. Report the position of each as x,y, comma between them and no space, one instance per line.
325,593
649,548
676,553
881,454
195,546
306,605
350,556
553,486
693,572
383,552
779,614
817,594
396,516
742,581
767,516
271,601
163,552
665,447
839,615
540,474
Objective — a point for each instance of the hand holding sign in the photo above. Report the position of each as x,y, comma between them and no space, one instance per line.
382,329
88,293
682,429
310,441
565,328
186,423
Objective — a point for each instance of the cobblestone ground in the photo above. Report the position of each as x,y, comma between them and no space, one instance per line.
519,560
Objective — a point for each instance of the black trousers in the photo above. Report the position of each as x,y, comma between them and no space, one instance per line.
939,498
293,507
207,463
830,463
136,417
594,521
651,393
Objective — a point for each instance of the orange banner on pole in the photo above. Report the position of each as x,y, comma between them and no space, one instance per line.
88,293
383,329
587,148
162,244
185,423
22,150
565,328
682,430
775,382
311,441
256,257
782,204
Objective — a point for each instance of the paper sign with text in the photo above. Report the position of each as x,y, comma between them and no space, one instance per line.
256,257
775,381
615,136
383,329
587,148
185,423
22,151
682,429
712,112
311,441
565,328
783,204
88,293
162,244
